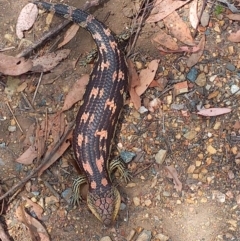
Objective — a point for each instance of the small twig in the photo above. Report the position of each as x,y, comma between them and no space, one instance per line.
44,38
14,117
6,49
44,162
27,101
140,171
51,190
39,82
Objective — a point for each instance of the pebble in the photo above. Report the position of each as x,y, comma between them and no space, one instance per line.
12,128
192,74
191,169
162,237
106,238
130,235
211,150
219,196
145,235
147,202
166,194
230,67
235,89
127,156
136,201
66,194
160,156
205,19
190,135
217,125
201,79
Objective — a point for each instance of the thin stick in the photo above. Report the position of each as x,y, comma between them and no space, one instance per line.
44,162
28,102
14,117
35,93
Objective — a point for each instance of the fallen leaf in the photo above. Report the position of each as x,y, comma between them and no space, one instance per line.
146,76
233,16
164,39
133,83
193,59
193,14
49,61
28,156
162,8
36,208
76,93
179,28
26,19
14,66
70,33
172,173
214,111
37,231
234,37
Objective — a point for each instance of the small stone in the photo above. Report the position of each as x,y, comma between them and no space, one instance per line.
138,65
51,200
190,135
234,150
142,110
217,29
162,237
169,99
12,128
130,235
235,90
106,238
179,202
192,74
166,194
145,235
178,136
230,50
220,197
230,67
217,125
211,150
205,19
213,95
198,163
203,200
148,202
195,176
160,156
201,79
191,169
136,201
180,88
131,184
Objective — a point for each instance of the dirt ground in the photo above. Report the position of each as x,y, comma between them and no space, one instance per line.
208,206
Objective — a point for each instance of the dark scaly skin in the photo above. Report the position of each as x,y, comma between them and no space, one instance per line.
98,115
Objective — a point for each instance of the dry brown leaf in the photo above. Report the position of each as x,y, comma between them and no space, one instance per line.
172,173
179,28
193,14
181,49
193,59
234,37
26,19
37,231
49,61
38,210
14,66
214,111
164,39
133,83
76,93
56,124
233,16
146,76
28,156
162,8
70,33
